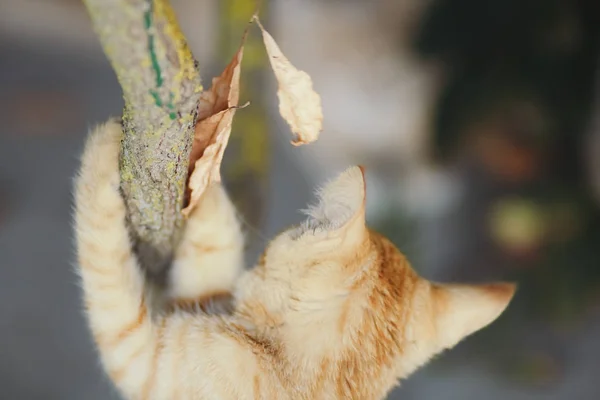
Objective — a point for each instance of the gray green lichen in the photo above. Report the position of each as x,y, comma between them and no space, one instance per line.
161,87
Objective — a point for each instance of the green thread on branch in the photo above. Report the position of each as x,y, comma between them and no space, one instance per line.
161,89
156,97
153,58
170,104
155,65
159,103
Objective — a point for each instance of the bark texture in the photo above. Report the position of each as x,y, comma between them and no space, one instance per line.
161,88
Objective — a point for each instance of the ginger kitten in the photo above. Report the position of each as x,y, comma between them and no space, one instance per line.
332,310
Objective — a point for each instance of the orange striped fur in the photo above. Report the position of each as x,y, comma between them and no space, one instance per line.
332,311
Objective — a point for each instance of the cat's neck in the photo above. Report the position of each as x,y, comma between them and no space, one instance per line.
325,328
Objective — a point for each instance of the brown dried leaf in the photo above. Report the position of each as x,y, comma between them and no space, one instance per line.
215,116
299,104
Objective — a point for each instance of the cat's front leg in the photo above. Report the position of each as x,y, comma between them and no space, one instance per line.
210,256
119,315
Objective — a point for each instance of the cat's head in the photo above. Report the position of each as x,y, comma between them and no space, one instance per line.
333,288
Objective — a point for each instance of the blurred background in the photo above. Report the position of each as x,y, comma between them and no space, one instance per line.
478,122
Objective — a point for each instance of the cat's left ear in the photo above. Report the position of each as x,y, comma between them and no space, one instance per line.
340,210
461,310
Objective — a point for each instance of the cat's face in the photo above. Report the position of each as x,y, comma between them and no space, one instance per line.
333,287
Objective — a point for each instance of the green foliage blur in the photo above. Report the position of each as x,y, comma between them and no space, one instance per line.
518,91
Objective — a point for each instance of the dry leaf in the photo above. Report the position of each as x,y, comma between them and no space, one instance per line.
215,116
299,104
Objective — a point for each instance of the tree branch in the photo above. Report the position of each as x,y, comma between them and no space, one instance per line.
161,87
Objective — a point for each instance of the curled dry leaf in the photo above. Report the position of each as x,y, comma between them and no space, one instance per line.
215,116
299,104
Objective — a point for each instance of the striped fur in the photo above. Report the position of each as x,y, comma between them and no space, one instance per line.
332,310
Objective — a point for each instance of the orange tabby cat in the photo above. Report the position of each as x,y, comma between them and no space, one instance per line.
332,311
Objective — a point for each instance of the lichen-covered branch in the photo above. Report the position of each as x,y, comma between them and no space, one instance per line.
161,87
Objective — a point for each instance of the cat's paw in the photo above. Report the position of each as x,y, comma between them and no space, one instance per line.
210,256
101,152
97,183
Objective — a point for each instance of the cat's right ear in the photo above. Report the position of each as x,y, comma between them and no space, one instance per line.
340,210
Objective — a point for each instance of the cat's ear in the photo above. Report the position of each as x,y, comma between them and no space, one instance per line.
341,205
461,310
